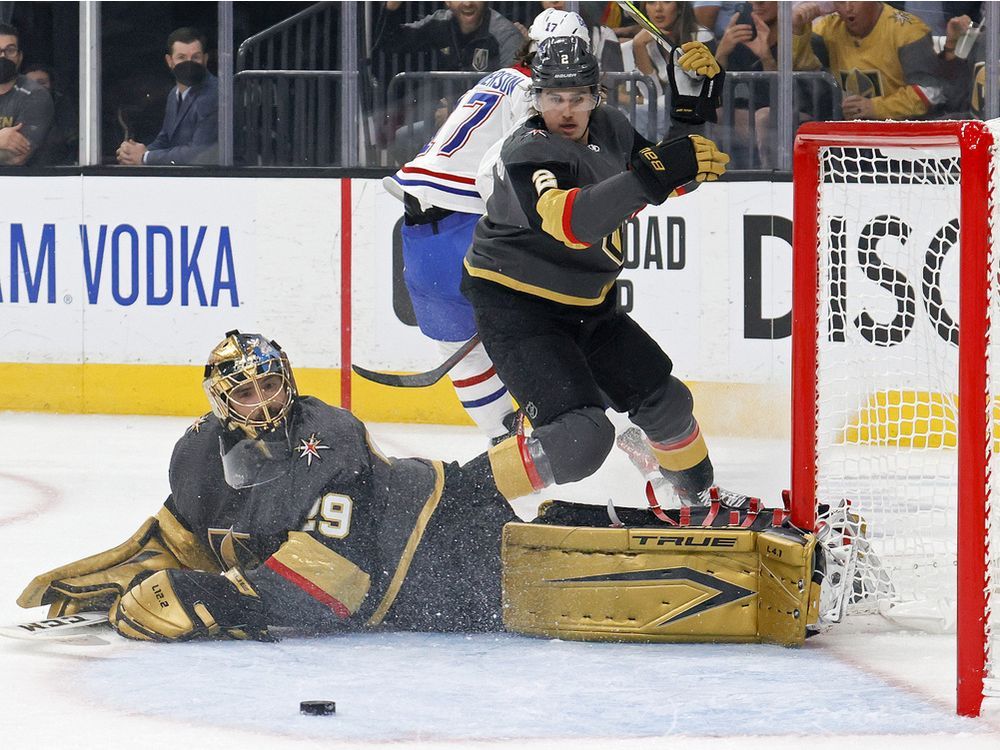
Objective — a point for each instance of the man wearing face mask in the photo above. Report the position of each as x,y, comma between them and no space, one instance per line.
25,107
190,129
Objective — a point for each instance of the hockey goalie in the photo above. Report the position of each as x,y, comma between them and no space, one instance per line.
285,518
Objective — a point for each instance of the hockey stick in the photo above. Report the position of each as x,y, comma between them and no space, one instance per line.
55,628
633,10
418,379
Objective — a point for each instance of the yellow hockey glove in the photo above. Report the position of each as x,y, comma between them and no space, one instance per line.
711,161
698,58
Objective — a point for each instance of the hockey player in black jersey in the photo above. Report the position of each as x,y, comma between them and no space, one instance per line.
541,276
283,513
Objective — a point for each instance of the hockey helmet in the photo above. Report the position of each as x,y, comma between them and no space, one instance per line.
564,62
249,383
552,22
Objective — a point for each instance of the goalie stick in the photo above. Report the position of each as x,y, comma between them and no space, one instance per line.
56,628
418,379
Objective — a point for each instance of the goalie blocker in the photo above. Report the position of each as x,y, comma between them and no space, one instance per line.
722,577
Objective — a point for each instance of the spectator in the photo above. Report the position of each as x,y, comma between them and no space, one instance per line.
25,107
716,15
753,47
678,22
883,58
465,36
964,69
190,129
60,145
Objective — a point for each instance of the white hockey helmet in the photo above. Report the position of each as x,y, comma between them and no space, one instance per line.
551,22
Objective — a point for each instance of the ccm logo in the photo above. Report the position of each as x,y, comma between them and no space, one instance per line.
687,541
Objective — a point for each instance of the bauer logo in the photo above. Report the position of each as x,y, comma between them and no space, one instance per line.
121,265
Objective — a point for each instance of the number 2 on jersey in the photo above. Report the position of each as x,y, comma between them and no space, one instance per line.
482,104
330,516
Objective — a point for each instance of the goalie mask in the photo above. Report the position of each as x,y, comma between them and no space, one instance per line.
250,386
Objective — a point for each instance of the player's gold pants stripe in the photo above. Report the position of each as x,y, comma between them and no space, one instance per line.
508,470
684,457
538,291
411,547
556,209
184,545
327,572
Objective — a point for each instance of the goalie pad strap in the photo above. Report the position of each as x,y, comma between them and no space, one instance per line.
658,584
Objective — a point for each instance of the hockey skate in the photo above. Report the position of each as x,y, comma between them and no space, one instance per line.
633,443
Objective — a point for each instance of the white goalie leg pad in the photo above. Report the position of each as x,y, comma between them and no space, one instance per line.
479,388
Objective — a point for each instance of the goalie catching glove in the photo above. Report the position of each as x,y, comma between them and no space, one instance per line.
668,165
178,605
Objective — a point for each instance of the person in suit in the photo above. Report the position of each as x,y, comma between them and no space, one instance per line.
190,129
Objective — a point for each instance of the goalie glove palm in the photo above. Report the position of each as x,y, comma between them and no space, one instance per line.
667,166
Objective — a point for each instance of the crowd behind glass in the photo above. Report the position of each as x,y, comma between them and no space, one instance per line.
845,60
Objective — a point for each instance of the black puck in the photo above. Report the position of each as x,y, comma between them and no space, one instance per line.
318,708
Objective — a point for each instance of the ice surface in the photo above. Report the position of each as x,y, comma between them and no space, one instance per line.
71,485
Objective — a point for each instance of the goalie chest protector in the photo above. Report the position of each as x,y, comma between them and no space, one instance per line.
664,583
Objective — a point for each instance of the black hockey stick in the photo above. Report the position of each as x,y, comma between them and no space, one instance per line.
418,379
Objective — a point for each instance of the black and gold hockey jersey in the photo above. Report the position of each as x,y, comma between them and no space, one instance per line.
552,227
346,538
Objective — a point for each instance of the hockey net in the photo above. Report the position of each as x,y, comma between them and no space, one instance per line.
894,414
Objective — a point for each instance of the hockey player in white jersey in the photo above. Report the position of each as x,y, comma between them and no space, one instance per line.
442,205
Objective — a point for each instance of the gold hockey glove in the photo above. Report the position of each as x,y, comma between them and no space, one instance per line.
711,161
698,58
178,605
668,165
695,91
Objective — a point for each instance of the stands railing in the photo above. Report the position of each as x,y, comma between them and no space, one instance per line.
288,118
305,41
746,93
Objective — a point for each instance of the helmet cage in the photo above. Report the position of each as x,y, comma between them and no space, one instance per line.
249,358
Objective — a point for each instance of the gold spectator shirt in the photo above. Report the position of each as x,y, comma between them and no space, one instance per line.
883,57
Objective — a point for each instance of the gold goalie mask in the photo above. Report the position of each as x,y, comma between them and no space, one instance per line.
251,388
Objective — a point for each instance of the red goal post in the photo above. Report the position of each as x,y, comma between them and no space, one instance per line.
890,427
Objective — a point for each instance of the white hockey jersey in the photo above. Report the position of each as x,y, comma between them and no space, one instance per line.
444,173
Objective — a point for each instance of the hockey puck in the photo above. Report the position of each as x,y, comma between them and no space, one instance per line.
318,708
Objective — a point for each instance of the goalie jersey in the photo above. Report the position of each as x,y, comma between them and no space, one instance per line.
444,173
348,537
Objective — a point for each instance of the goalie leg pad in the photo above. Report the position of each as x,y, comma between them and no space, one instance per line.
652,584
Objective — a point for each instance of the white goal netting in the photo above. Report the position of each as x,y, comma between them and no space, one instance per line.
887,347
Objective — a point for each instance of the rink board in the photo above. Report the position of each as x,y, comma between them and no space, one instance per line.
113,290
